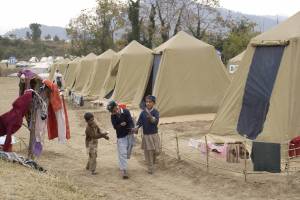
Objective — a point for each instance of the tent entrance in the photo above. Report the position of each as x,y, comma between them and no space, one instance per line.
109,95
152,78
258,89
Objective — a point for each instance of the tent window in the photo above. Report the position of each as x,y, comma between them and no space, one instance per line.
258,90
151,81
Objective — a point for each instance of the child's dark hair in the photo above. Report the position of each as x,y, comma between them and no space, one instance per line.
111,105
151,98
88,116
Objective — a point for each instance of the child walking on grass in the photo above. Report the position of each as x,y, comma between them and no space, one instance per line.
92,134
149,119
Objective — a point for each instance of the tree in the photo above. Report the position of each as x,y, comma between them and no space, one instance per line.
94,30
79,32
12,36
48,37
35,31
240,35
110,16
134,18
151,27
56,38
201,16
178,23
168,12
28,35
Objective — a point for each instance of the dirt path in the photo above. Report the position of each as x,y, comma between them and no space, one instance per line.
172,180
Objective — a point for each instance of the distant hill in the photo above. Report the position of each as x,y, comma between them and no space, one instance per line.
25,49
263,22
52,30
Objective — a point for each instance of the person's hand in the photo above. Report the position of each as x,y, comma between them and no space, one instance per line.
105,136
123,124
135,130
151,118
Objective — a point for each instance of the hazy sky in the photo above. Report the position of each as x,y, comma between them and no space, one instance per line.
263,7
20,13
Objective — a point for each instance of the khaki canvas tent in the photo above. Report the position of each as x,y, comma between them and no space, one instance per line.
127,56
263,101
134,67
83,72
110,78
234,62
62,66
52,71
98,74
187,77
71,72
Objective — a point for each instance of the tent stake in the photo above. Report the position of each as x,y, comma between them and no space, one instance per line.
207,164
245,159
177,150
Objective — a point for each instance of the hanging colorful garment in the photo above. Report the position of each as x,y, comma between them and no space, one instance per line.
58,123
28,74
11,121
40,106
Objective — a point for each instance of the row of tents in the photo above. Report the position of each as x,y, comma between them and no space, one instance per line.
260,102
185,74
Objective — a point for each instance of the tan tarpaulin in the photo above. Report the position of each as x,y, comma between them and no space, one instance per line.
83,71
282,121
52,71
98,74
235,62
71,73
134,69
62,66
237,59
110,78
191,78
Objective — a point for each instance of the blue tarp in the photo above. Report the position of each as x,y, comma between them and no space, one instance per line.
258,90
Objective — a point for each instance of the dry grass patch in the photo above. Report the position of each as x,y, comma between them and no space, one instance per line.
18,183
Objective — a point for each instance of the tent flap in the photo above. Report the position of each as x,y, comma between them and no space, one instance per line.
258,90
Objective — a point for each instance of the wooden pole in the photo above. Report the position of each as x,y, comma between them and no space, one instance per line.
32,131
161,150
207,155
177,149
245,161
288,166
161,142
295,152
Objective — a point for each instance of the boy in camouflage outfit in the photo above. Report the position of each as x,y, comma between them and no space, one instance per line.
92,133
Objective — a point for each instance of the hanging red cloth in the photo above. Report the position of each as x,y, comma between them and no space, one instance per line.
55,104
294,147
67,120
11,121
